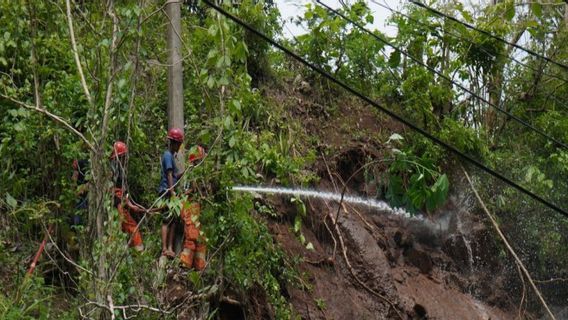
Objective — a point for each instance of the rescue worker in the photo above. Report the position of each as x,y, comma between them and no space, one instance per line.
194,247
169,177
122,202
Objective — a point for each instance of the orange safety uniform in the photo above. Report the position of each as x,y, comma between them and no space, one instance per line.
194,247
128,224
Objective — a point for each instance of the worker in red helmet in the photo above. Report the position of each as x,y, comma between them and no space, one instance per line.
125,206
170,174
194,246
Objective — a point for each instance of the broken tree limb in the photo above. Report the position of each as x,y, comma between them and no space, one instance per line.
506,242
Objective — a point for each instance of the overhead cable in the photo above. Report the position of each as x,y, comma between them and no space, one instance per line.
489,34
558,101
385,110
443,76
457,36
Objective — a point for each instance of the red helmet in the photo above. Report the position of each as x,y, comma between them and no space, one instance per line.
119,148
175,134
198,154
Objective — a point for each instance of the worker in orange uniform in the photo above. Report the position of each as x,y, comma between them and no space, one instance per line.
122,202
194,247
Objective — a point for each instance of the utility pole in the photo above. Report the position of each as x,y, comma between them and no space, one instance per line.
175,69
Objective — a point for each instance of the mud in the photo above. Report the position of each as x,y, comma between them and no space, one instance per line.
425,271
445,267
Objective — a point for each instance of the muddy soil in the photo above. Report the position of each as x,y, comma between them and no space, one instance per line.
373,265
387,268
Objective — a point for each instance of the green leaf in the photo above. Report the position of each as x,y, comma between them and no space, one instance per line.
210,82
224,81
237,104
536,8
510,12
11,201
212,30
228,121
297,224
394,59
19,127
442,184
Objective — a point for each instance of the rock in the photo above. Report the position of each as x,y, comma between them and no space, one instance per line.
457,248
403,239
419,259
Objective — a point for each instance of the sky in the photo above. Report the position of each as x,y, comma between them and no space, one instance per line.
296,8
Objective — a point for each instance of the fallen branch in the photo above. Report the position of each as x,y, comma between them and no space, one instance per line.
506,242
551,280
67,258
111,307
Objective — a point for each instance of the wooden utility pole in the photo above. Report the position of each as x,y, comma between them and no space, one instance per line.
175,71
175,67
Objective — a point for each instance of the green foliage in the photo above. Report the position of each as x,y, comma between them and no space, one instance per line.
32,300
415,182
251,139
465,139
250,257
353,56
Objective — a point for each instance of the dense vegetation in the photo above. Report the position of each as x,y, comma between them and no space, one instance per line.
252,139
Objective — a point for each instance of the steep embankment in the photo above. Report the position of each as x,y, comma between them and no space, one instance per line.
372,263
367,264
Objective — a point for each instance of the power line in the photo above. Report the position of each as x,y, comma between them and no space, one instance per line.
385,110
469,26
457,36
443,76
494,54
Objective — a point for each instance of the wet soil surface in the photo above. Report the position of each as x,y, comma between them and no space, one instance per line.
394,269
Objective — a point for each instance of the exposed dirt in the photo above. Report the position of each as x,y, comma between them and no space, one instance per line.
373,265
391,268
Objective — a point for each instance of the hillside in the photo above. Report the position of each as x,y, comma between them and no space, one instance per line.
185,160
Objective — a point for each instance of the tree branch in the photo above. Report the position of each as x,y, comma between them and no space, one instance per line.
111,71
76,53
54,117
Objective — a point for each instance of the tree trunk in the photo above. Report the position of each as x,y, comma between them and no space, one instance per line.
98,214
